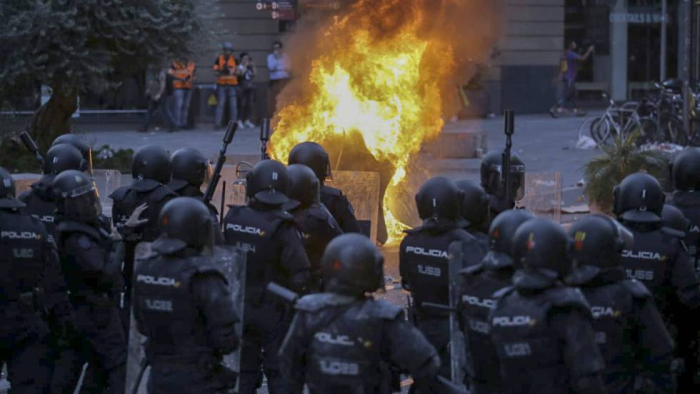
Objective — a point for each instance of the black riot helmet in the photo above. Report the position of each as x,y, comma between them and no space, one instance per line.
152,162
501,235
304,187
268,183
491,175
685,170
439,198
188,220
352,265
313,156
542,245
79,144
639,199
77,196
191,166
475,203
62,157
675,222
7,191
598,241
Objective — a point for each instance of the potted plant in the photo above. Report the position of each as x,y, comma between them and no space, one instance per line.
618,160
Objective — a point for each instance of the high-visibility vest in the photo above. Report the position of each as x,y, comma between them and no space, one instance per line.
223,64
180,71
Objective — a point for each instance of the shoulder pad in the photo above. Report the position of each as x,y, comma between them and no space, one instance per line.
234,209
414,230
638,289
316,302
331,191
119,194
568,297
503,292
673,232
472,270
84,242
76,227
206,267
384,309
284,216
160,193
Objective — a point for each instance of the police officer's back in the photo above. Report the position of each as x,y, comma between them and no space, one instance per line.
492,181
183,305
39,200
480,282
339,339
317,225
315,157
424,258
629,329
91,263
657,258
541,328
275,252
30,281
685,174
190,170
475,211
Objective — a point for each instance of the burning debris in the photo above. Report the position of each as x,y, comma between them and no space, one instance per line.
377,81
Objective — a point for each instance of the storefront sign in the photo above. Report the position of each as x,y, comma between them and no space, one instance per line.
637,17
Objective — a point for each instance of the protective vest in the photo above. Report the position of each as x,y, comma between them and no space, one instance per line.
476,302
689,204
183,74
318,228
164,307
651,261
85,253
340,208
128,198
529,348
345,342
41,205
613,306
424,258
253,232
228,77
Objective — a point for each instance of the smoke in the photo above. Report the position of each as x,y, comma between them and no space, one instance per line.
462,34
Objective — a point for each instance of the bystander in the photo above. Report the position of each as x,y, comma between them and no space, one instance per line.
246,78
226,84
156,92
278,64
567,87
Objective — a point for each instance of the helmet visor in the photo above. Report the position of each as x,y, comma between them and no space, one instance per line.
208,173
517,181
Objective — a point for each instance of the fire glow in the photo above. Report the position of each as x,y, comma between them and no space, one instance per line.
386,87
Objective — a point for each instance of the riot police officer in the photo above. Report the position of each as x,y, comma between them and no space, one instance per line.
674,222
190,170
541,328
151,170
475,211
78,143
275,252
480,282
340,338
315,157
685,174
629,330
198,311
39,199
423,260
31,282
91,263
317,225
493,181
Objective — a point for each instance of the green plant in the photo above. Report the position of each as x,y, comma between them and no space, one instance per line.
618,160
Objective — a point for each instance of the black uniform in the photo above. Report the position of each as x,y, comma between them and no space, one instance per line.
339,206
40,203
91,264
274,253
480,283
423,264
31,283
340,344
317,228
629,329
689,203
183,305
544,339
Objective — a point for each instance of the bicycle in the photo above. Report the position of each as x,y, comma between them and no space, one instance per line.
622,120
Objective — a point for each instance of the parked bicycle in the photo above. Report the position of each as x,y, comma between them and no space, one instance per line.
621,120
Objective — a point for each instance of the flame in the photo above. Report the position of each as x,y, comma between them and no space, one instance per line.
386,88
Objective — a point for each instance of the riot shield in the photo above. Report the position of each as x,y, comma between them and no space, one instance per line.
543,194
457,342
231,261
362,190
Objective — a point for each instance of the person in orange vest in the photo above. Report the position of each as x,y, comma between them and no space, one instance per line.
226,85
182,72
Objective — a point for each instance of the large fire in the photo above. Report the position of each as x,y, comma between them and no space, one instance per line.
385,86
